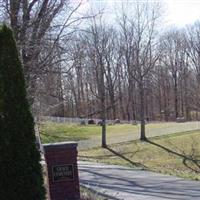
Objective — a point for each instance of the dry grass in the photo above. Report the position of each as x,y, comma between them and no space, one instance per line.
176,154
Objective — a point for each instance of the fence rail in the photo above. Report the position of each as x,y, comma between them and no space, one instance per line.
77,120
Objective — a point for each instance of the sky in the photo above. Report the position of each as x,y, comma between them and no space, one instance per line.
183,12
176,12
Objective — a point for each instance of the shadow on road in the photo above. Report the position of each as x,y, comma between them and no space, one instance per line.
135,164
118,154
114,183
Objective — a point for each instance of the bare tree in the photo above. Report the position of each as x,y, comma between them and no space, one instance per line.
100,52
176,60
34,22
141,49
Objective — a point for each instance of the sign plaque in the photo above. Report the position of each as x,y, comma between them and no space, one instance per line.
63,172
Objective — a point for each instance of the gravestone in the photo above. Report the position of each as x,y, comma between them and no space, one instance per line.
91,121
61,159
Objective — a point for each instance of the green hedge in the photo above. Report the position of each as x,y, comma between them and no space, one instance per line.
20,170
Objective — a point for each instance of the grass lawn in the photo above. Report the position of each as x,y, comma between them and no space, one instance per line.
87,194
176,154
56,132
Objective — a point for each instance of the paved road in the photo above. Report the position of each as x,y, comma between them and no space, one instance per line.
117,183
163,129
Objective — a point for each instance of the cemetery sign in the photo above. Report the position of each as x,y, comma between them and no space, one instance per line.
63,172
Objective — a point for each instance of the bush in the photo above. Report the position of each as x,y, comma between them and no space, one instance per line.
91,121
20,170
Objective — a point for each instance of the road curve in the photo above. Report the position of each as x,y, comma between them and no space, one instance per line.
123,183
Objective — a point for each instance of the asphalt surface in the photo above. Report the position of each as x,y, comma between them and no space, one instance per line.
169,128
117,183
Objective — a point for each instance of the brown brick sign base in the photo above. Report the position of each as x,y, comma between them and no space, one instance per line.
62,168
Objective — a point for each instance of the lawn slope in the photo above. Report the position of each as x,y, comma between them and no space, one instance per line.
176,154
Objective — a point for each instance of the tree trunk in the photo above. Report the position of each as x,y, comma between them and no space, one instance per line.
142,117
103,119
103,144
176,96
